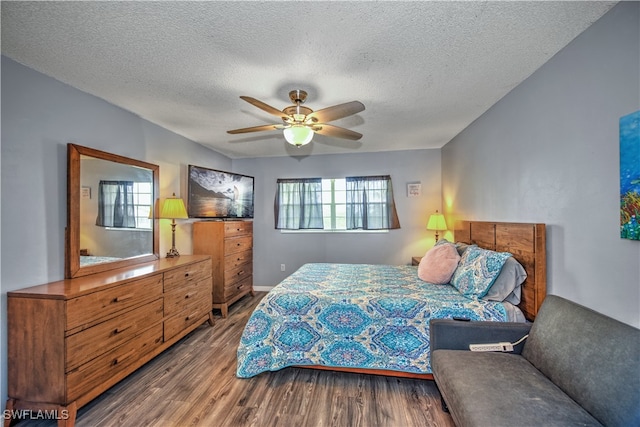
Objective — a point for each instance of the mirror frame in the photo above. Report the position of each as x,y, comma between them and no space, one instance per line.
72,232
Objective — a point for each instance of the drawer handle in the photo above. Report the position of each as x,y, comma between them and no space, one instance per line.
124,357
117,331
123,298
186,274
240,273
187,296
191,316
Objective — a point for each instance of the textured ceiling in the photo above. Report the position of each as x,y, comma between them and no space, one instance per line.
424,70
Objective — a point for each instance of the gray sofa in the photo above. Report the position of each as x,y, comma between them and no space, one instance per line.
577,367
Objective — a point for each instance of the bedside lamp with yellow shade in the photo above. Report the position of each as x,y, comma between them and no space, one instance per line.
173,208
436,223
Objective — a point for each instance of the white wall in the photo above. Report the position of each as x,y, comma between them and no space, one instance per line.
272,247
40,116
549,152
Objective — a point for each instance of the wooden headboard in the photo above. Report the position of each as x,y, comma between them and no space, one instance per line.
526,242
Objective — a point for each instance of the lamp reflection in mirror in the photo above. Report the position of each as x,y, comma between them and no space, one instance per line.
173,208
298,135
437,223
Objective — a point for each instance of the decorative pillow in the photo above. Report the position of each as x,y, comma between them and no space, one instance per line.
438,264
442,242
477,270
507,286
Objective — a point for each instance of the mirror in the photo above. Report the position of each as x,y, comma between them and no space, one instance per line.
110,204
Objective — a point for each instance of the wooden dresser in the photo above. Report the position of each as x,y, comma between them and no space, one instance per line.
71,340
230,245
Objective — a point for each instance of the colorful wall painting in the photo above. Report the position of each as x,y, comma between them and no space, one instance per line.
630,176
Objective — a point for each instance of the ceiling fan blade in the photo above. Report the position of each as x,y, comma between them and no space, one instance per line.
256,129
265,107
337,132
336,112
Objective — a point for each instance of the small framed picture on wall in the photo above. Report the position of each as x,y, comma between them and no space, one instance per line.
414,189
85,192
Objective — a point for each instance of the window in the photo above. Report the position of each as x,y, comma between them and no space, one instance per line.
334,204
299,204
370,204
353,203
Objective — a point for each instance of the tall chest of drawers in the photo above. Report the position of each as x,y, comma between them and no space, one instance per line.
230,245
69,341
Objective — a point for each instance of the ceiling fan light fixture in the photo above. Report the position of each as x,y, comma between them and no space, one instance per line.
300,122
298,135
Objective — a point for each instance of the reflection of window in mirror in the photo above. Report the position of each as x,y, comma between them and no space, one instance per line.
124,204
115,224
142,197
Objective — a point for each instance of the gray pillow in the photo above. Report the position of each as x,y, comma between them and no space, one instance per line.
507,286
461,247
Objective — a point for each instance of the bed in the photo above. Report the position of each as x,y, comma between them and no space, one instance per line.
86,260
375,318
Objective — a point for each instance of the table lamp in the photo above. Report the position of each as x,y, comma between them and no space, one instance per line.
173,208
437,223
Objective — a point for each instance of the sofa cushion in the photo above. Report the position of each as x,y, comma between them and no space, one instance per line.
591,357
501,389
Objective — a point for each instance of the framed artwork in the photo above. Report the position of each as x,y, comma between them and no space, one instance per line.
413,189
85,192
630,176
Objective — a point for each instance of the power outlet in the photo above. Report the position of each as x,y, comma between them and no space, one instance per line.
282,267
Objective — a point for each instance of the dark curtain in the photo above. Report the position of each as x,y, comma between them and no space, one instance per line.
298,204
370,204
115,204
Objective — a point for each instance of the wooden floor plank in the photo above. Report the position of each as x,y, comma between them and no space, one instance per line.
194,383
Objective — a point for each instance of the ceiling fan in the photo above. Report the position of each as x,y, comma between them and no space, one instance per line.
299,123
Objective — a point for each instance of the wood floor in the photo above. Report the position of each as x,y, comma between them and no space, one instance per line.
194,384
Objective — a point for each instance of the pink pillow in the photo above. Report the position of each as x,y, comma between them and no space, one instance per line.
438,264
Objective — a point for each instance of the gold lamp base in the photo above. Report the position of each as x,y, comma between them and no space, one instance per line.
173,253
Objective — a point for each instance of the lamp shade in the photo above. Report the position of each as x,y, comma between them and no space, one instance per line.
173,208
436,222
298,135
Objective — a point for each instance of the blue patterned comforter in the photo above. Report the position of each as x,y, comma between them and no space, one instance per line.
354,316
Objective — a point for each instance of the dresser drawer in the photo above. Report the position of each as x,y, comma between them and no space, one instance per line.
186,318
98,305
237,228
243,286
237,274
97,340
180,299
101,369
237,259
188,274
238,244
